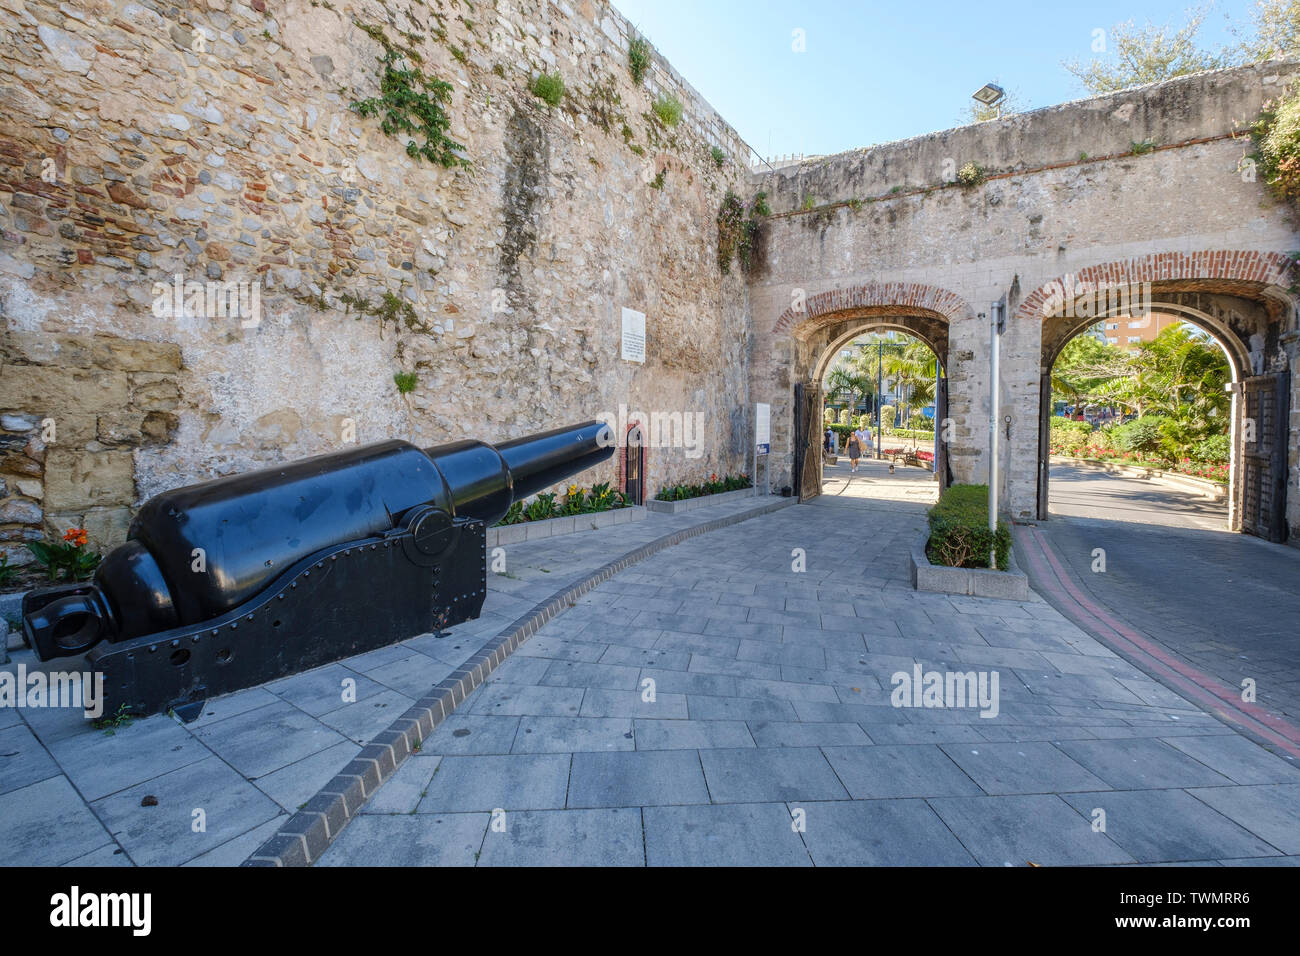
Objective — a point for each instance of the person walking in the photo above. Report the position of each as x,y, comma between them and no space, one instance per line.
855,450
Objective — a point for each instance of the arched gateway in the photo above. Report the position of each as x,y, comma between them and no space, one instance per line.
1071,202
820,325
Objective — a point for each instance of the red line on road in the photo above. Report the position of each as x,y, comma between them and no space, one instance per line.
1117,635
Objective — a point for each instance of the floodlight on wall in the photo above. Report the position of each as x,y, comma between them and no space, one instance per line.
989,94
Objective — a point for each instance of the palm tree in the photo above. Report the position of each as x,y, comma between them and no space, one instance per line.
1182,376
913,368
847,380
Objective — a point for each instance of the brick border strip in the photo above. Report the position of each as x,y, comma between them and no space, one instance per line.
1055,583
310,831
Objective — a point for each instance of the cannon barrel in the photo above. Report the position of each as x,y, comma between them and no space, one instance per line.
198,552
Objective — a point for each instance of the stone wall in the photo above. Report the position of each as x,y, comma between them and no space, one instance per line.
150,143
1148,183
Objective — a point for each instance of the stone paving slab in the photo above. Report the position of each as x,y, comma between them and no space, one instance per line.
811,763
256,756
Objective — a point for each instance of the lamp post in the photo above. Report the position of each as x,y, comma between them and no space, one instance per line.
880,435
997,314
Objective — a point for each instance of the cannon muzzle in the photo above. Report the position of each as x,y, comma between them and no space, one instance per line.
210,555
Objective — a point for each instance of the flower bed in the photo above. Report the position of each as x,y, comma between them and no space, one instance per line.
922,455
714,486
576,502
1209,470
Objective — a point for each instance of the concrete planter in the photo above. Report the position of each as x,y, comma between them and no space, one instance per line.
532,530
690,504
1202,486
1010,585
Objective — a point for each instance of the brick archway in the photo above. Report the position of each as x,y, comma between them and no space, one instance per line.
1232,271
896,298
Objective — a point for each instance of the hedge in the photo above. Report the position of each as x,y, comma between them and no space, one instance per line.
959,530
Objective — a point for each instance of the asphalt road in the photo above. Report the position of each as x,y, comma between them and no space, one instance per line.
1226,603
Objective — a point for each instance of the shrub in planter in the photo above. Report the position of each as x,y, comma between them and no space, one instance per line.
959,530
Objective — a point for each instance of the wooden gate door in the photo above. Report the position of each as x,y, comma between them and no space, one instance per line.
1265,415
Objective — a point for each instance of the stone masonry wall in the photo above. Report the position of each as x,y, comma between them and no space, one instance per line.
148,143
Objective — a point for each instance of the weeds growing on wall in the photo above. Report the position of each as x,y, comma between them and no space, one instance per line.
391,308
405,382
668,109
738,230
548,87
1277,144
638,58
972,174
411,104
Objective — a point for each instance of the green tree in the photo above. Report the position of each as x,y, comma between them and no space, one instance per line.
1147,54
846,380
912,368
1181,376
1087,370
1277,32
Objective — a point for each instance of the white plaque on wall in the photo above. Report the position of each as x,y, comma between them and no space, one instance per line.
633,336
763,427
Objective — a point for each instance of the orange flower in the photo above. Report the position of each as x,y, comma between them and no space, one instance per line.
77,536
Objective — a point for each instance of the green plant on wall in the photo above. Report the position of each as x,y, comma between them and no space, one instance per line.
548,87
392,308
405,382
719,157
668,109
731,220
1277,144
738,230
972,174
412,103
638,58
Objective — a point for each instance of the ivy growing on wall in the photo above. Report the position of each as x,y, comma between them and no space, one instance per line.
411,104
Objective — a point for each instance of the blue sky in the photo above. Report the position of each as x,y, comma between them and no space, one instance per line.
877,72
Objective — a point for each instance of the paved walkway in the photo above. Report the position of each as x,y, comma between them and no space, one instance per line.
874,481
1225,603
719,703
226,782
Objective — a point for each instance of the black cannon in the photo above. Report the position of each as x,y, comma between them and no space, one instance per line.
240,580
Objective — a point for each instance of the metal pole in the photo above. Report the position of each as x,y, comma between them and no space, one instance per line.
993,428
938,375
880,435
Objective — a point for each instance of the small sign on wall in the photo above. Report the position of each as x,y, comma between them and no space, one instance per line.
633,336
763,428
